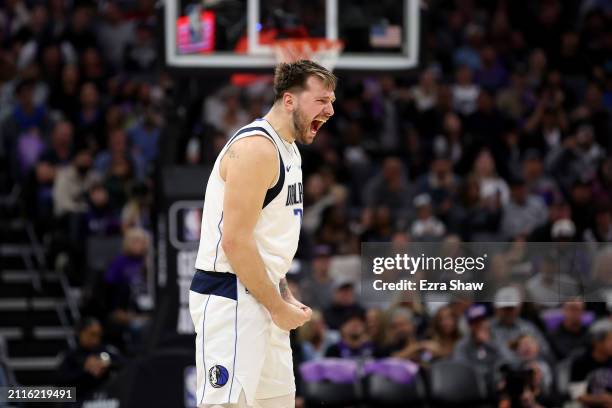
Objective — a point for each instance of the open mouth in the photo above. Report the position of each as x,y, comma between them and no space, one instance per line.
315,125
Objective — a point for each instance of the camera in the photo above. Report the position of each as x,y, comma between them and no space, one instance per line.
518,386
105,358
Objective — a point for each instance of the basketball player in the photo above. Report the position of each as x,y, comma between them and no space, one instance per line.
239,301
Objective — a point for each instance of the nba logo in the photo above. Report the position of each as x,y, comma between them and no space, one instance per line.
190,387
192,222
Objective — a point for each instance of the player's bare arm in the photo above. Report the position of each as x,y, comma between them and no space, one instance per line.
286,294
249,168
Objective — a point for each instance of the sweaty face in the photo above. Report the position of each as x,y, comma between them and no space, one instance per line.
313,107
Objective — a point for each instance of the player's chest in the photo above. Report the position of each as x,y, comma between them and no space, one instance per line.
292,194
293,191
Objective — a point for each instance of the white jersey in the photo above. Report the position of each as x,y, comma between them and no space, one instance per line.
277,230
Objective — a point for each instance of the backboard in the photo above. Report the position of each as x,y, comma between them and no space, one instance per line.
238,34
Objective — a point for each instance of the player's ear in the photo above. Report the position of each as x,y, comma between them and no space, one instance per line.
289,101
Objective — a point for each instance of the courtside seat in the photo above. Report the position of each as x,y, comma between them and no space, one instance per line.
331,382
381,391
393,382
329,394
456,384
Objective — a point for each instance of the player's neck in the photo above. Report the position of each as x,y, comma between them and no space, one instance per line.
281,124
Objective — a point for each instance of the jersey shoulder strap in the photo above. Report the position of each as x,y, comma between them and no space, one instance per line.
249,130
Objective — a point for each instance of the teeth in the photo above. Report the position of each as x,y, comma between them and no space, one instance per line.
318,123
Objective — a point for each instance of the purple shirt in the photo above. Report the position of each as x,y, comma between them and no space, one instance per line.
125,269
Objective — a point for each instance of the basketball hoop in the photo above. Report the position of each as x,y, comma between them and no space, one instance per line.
320,50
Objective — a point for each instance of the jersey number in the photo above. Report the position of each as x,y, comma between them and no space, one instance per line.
300,212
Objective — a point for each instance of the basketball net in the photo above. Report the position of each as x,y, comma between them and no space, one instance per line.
320,50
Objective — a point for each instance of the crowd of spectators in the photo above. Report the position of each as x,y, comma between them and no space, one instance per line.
504,134
81,93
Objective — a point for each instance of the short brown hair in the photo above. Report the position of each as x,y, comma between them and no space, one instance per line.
293,76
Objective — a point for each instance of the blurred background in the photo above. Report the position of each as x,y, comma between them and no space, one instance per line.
492,123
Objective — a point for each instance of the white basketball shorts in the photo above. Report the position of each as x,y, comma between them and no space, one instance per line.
238,347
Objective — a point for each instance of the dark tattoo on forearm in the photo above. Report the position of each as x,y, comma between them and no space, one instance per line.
284,289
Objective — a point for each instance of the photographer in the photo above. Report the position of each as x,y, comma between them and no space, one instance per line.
529,380
520,387
597,357
526,350
90,364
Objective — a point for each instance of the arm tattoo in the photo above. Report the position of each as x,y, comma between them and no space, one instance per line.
232,154
284,289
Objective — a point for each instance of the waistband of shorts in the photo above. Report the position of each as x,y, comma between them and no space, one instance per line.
224,284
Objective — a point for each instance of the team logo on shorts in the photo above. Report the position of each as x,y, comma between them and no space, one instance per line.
218,376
